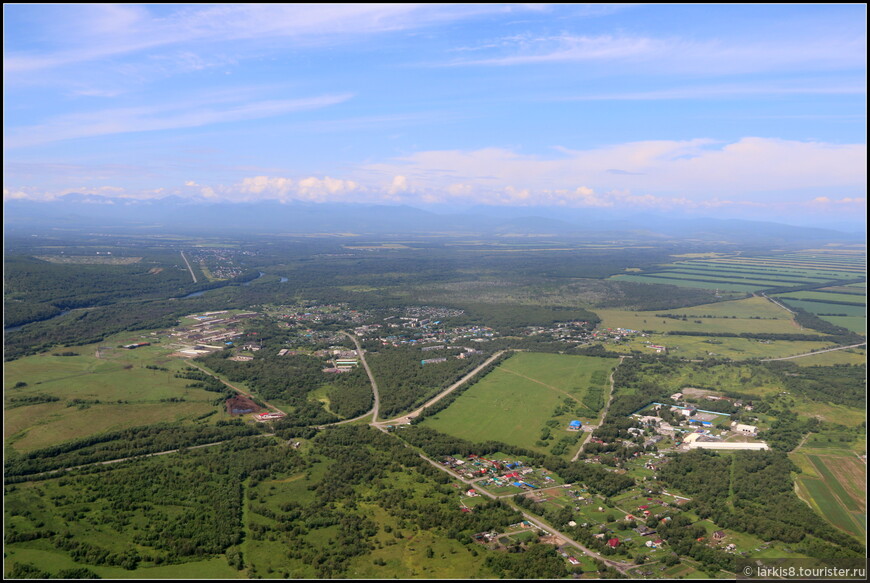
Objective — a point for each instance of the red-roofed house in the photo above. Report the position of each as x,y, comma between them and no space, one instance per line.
613,543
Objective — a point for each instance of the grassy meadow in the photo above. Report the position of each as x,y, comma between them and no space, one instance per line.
753,315
49,398
513,403
693,347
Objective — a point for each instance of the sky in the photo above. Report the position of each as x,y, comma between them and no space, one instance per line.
724,110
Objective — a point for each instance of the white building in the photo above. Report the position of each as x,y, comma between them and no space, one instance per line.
745,429
727,445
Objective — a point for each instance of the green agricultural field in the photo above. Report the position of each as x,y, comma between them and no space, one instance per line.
854,318
754,307
788,271
828,506
823,308
722,287
751,315
833,479
721,347
77,396
775,279
821,463
848,290
753,279
513,403
738,267
821,295
855,324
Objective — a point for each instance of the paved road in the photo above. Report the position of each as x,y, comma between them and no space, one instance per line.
603,412
407,418
816,352
189,268
377,398
621,567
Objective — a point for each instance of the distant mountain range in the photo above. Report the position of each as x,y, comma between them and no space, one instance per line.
179,214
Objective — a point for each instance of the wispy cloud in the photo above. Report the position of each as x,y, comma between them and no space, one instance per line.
820,87
676,54
194,113
101,31
701,169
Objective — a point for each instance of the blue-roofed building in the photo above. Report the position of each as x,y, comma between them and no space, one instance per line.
574,425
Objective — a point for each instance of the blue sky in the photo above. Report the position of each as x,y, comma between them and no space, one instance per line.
718,110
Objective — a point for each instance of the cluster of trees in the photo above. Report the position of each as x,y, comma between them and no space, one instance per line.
510,318
682,538
273,377
31,571
787,430
65,286
753,492
653,296
20,312
288,378
368,467
757,336
34,399
120,444
404,383
449,399
840,384
634,387
351,393
89,326
437,444
537,561
807,319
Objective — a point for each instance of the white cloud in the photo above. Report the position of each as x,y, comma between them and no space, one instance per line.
699,169
830,50
167,116
698,174
398,186
85,33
